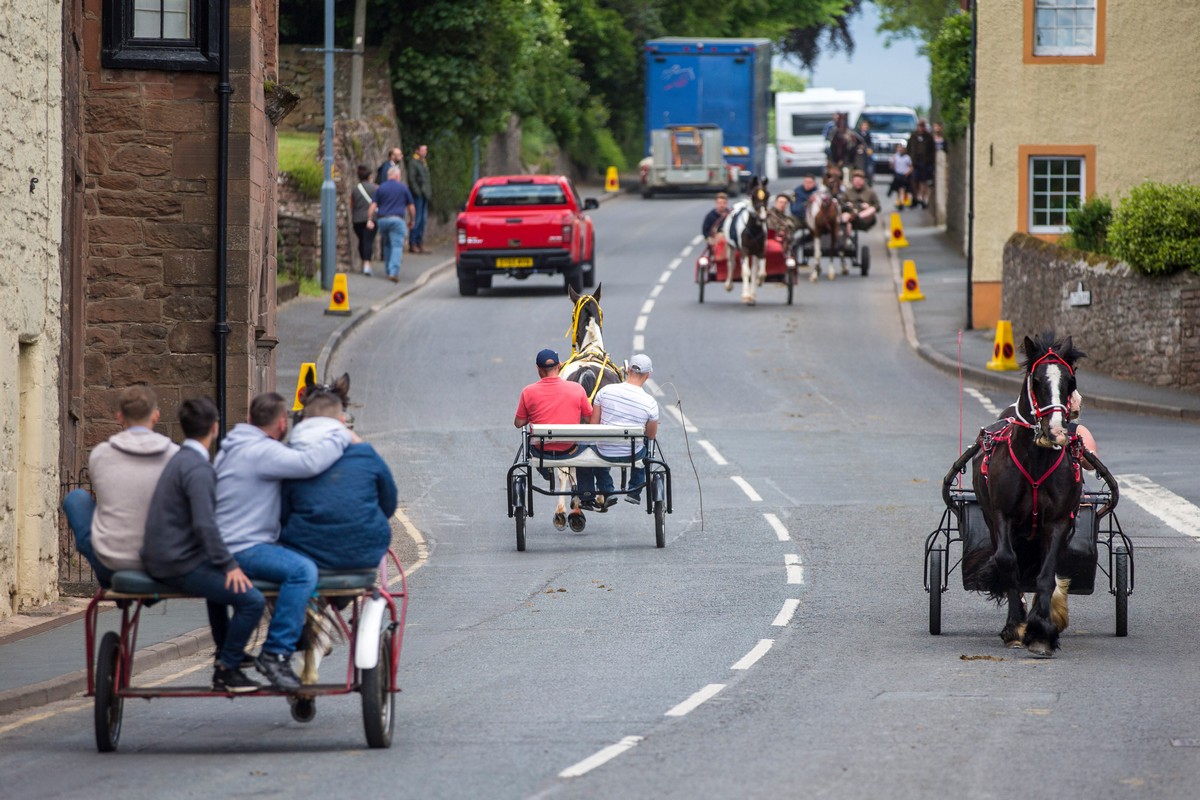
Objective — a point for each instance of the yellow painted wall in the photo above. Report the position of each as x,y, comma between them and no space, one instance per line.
1138,108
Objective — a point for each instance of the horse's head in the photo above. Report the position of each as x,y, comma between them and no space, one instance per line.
760,198
1049,381
587,309
339,389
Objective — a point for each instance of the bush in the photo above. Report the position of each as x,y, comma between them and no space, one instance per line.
1089,225
300,161
950,74
1156,229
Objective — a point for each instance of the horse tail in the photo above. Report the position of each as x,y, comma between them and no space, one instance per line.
983,575
1059,614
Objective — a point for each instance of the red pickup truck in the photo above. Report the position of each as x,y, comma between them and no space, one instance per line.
522,225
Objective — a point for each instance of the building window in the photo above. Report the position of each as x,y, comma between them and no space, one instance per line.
1056,185
1064,28
160,34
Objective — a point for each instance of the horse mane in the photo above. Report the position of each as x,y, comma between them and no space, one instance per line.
1044,342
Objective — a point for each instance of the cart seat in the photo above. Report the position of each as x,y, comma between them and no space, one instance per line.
586,457
136,582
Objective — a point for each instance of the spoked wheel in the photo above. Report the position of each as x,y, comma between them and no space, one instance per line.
865,261
378,700
519,514
1121,588
660,513
935,592
109,705
789,278
303,708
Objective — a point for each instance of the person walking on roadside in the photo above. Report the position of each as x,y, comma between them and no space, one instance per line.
902,168
422,191
865,157
392,211
921,149
361,197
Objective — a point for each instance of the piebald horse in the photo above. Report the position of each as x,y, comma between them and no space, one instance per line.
745,231
822,215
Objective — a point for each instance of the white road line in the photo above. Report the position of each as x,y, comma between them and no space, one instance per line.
653,387
712,452
984,401
647,306
640,323
683,253
657,290
781,531
678,415
785,614
639,343
693,702
795,570
747,488
697,240
758,651
1172,509
675,262
600,758
666,276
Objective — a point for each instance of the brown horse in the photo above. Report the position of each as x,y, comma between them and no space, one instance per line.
821,215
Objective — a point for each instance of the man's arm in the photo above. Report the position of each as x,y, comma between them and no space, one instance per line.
200,488
652,429
595,418
371,211
281,462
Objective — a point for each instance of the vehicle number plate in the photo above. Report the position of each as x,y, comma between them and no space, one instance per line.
514,262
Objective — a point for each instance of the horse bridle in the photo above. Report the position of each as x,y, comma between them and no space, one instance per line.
573,331
1044,411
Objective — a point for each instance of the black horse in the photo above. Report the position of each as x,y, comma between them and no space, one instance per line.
745,231
1027,479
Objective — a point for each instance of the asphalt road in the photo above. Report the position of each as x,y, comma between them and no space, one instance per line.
778,646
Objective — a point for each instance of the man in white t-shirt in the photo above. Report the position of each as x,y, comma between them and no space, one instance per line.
625,403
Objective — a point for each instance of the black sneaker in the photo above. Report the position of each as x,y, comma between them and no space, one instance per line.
277,668
634,499
247,661
233,681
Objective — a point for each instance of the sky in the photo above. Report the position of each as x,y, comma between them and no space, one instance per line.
893,75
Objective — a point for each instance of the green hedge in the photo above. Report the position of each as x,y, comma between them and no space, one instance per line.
1156,228
1089,225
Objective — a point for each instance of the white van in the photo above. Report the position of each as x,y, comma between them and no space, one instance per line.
800,120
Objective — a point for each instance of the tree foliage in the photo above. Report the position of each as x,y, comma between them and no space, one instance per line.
1156,228
920,20
950,73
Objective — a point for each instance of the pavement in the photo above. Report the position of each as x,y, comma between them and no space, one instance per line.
41,653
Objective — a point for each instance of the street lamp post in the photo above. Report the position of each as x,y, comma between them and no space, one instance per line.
328,190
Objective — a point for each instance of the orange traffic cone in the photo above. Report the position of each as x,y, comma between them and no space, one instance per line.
896,237
912,287
1003,352
308,371
339,298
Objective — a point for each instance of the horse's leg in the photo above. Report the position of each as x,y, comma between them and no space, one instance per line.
562,479
729,262
748,270
842,249
1006,582
833,251
1041,631
816,264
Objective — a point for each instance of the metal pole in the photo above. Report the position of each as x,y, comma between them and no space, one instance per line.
356,60
224,90
328,190
971,183
475,160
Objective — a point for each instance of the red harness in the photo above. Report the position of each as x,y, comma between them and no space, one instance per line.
989,439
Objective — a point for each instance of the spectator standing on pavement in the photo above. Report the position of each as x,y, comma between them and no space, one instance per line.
395,159
361,197
866,150
902,168
921,150
392,211
422,191
125,469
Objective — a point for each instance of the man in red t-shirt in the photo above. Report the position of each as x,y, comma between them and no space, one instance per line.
552,401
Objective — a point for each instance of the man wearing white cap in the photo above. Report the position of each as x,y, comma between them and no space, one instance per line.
625,403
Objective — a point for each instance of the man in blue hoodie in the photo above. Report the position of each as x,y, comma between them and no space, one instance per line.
339,519
251,467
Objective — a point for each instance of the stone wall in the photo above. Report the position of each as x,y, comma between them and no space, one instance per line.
302,70
31,184
1138,328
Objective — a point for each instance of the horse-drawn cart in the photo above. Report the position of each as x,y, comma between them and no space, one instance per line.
1095,526
859,255
369,616
781,268
531,455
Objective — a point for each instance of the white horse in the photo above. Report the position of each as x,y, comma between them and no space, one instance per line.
745,232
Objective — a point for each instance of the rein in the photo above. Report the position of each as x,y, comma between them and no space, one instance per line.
1005,436
579,305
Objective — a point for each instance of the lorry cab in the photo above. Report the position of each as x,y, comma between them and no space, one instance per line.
800,122
890,126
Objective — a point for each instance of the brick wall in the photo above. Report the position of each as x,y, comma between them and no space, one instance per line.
1138,328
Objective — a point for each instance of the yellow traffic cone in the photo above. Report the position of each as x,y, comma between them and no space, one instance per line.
896,239
611,184
912,287
339,298
1003,352
308,371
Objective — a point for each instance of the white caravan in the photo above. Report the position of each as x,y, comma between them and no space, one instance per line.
800,120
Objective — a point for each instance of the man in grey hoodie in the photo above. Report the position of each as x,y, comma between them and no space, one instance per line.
124,470
251,467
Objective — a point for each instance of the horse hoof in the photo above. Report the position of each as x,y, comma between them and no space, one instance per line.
1040,650
577,522
729,287
831,276
814,277
845,270
560,520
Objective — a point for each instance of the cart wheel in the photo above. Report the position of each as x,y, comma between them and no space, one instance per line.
303,708
935,592
378,700
790,280
109,705
660,512
1121,588
865,261
702,278
519,513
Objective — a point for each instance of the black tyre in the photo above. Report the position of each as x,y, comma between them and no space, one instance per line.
378,700
1121,587
790,279
519,513
467,287
647,194
520,518
109,706
573,278
935,592
589,275
304,709
864,260
660,513
702,278
483,281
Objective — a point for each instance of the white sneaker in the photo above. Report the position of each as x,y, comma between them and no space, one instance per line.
367,271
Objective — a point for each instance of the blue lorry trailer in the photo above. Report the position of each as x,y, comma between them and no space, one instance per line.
725,82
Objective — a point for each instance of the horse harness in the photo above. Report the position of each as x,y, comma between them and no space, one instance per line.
590,357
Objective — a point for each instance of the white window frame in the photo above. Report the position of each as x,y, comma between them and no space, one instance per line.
1041,8
1053,191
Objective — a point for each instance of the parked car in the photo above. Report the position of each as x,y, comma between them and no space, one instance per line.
523,225
890,126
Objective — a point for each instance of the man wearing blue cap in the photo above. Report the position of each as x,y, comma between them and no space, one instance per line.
552,401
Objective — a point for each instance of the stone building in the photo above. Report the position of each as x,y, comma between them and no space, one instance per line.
1074,98
30,321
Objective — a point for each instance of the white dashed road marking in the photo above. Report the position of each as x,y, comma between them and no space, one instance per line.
666,276
639,343
785,614
675,262
746,487
984,401
712,452
647,306
781,531
707,693
795,570
600,758
1172,509
758,651
640,323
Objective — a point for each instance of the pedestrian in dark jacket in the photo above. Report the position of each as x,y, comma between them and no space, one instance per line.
340,518
395,159
422,191
183,547
923,151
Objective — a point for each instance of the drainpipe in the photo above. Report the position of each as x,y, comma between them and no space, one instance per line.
224,90
971,184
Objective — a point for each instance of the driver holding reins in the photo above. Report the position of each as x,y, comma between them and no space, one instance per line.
711,229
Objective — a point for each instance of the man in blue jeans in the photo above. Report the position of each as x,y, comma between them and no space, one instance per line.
251,467
392,211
